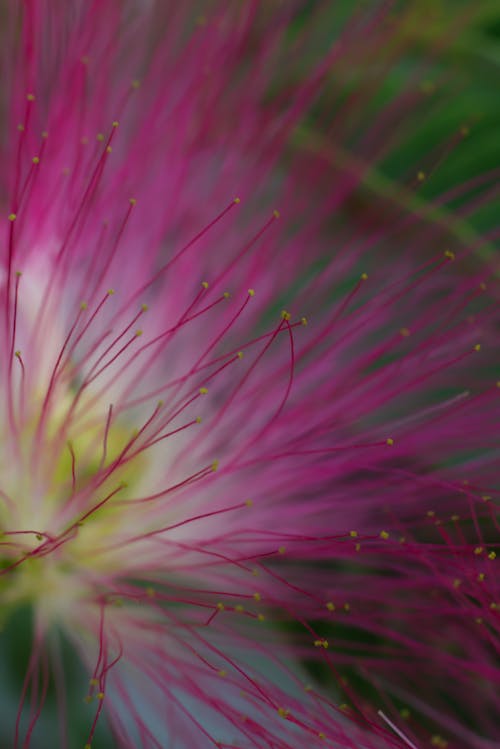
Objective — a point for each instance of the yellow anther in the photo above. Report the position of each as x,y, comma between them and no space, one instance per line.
321,643
45,135
384,535
198,419
478,550
35,159
357,547
240,354
87,746
477,347
321,735
281,549
222,672
108,149
347,607
283,713
439,742
100,137
12,216
303,321
285,314
255,572
204,284
486,497
364,276
276,214
257,596
405,713
492,555
19,273
261,617
30,97
94,682
330,606
483,286
478,620
353,534
138,333
430,513
100,695
227,295
237,201
132,201
249,503
116,123
480,577
457,583
220,606
449,254
203,391
455,518
215,465
405,332
390,441
420,176
494,606
251,292
239,608
144,307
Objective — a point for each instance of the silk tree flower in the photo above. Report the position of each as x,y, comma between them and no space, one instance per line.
237,446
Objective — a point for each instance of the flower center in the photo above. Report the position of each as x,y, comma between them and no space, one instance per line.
66,474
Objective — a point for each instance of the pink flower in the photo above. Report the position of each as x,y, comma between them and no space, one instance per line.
234,444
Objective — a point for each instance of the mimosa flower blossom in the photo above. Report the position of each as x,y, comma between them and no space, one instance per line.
242,453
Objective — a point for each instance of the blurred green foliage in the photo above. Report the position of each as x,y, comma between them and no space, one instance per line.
444,57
